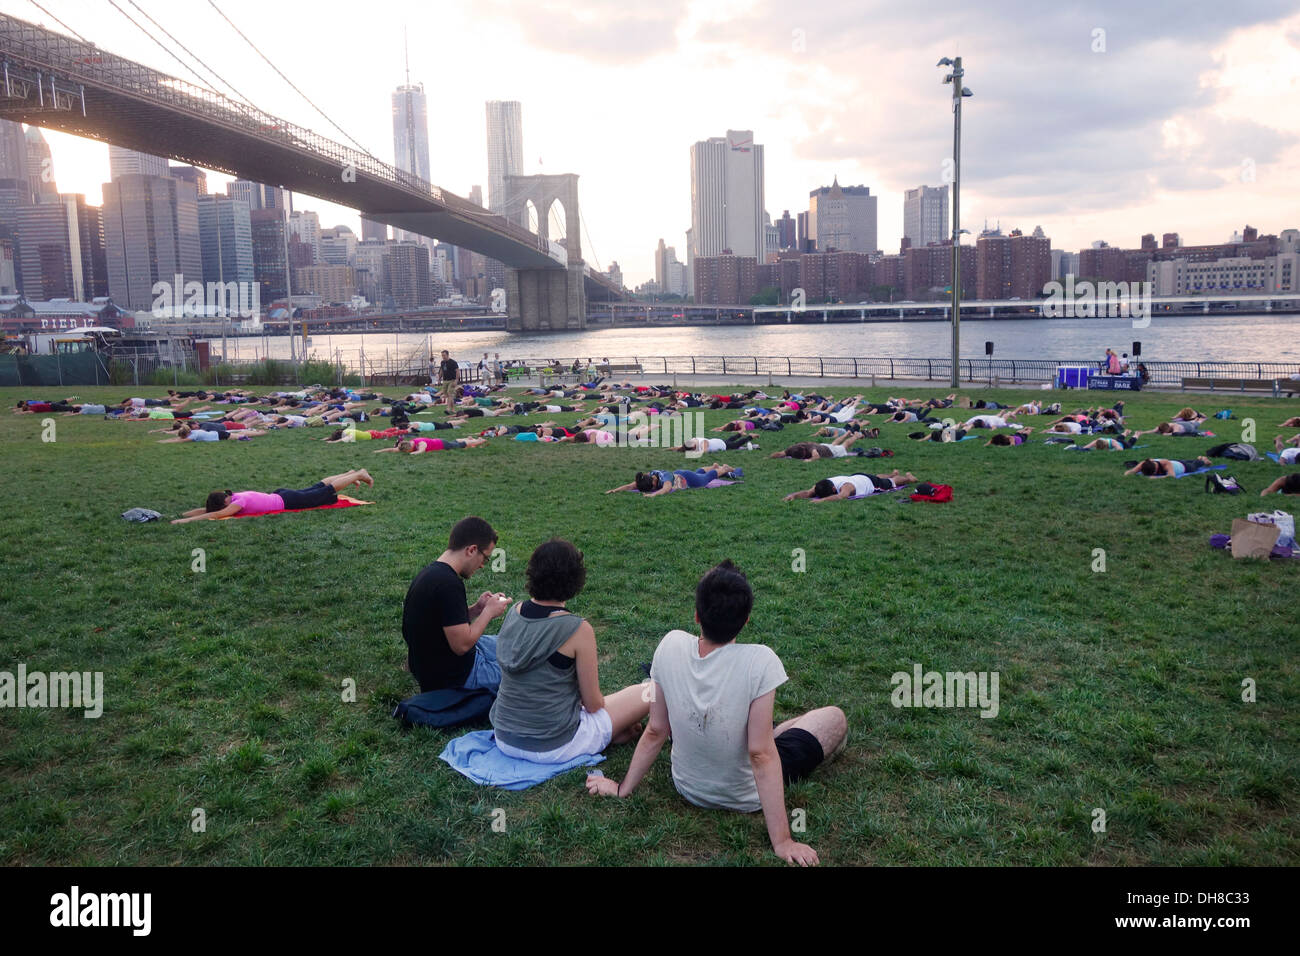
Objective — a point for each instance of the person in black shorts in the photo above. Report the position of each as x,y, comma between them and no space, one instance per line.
447,648
735,760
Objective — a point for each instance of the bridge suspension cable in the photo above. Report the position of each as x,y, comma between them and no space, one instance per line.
290,82
165,48
192,54
590,245
58,21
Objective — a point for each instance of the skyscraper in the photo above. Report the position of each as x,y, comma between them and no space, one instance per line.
786,232
226,238
128,162
727,196
925,215
151,234
13,151
305,224
52,263
40,167
247,192
269,244
192,175
411,140
371,230
505,149
411,130
842,218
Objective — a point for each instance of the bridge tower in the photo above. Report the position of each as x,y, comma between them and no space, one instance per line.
539,300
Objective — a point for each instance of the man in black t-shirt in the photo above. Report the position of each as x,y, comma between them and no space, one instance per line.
444,637
448,372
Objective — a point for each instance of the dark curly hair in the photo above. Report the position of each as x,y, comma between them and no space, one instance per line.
555,571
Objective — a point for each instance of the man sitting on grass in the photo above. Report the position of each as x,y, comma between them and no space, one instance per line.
715,698
447,647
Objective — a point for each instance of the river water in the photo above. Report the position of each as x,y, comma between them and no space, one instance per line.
1246,338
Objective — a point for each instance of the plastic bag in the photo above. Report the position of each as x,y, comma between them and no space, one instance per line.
1285,525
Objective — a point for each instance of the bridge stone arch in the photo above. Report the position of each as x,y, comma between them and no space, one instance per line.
543,191
539,300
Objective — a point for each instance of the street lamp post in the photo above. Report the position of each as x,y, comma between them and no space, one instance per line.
958,92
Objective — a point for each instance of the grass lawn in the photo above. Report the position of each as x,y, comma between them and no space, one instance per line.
1119,690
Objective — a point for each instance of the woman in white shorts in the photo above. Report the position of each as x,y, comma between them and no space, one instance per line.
549,708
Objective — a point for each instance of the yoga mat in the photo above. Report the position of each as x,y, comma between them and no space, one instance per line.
1199,471
344,501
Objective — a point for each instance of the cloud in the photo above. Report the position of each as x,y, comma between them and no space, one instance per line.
601,31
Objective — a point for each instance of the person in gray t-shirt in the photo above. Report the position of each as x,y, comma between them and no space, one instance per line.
716,698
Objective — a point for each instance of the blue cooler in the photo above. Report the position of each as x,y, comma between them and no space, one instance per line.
1073,376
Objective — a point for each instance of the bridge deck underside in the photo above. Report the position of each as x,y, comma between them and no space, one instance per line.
128,120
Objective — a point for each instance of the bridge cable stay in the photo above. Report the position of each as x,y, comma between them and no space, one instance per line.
590,245
194,56
202,82
290,82
58,21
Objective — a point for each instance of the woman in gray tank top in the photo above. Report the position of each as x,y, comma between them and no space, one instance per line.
549,708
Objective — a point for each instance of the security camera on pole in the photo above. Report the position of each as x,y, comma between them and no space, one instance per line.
958,91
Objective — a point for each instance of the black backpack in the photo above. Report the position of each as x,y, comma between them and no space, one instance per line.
1219,485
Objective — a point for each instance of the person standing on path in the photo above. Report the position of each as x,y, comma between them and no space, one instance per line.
448,373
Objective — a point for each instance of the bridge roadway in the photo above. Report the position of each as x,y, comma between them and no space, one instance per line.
60,83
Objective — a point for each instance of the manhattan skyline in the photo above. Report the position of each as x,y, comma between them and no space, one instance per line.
1167,120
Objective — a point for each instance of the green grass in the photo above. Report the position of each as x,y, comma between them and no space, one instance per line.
1119,690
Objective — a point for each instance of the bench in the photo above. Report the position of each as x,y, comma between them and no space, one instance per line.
518,372
613,370
554,377
1272,386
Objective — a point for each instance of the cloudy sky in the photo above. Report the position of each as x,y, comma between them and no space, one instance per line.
1095,119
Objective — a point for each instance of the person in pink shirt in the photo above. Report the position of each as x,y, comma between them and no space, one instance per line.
227,504
418,446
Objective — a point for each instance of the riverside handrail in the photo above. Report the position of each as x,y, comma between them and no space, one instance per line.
974,369
814,366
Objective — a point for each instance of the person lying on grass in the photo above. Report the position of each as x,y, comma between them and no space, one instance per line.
354,434
1126,440
735,760
854,427
1286,485
549,708
809,450
1018,438
418,446
1169,467
187,434
989,421
700,445
1176,427
654,483
227,504
848,486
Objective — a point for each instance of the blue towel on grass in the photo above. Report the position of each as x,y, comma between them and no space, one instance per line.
476,756
1272,456
1201,471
